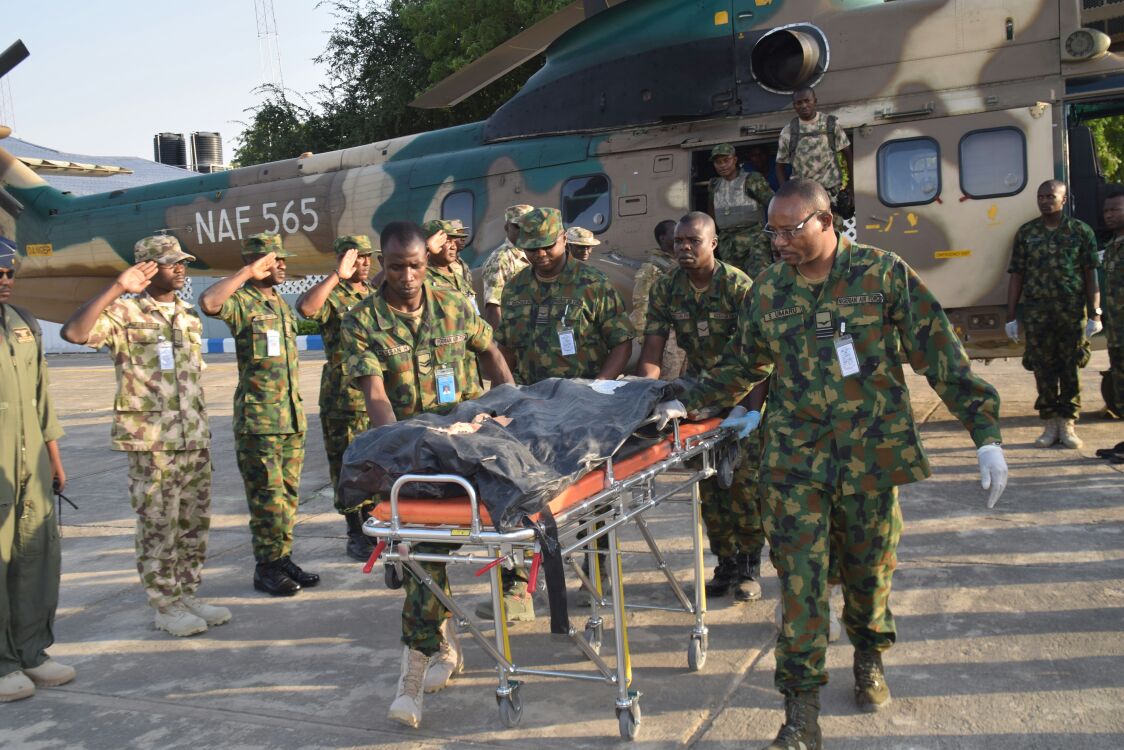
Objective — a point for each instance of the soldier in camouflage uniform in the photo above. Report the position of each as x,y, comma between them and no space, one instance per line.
269,422
29,534
160,420
446,271
503,263
738,199
406,347
700,303
580,243
1053,274
810,144
660,263
1112,261
343,413
833,324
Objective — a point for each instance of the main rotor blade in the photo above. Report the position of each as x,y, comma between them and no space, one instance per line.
13,56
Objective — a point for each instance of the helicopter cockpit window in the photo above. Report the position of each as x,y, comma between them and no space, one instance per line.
586,202
460,205
993,162
909,172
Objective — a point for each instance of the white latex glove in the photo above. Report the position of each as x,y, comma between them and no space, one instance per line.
741,420
667,411
993,471
1092,328
1012,329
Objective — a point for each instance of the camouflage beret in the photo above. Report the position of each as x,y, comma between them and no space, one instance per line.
9,254
581,236
722,149
360,242
160,248
433,226
514,213
266,242
539,228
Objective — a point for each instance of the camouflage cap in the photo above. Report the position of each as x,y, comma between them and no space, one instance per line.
581,236
722,149
160,248
265,242
459,229
451,229
360,242
539,228
514,213
9,254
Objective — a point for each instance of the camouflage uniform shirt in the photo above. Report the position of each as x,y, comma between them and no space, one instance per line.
454,277
853,433
267,400
703,323
504,262
536,313
1112,295
813,158
337,394
159,404
1053,263
655,268
381,343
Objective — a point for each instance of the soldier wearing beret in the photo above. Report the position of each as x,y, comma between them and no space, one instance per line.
580,243
738,199
343,413
269,421
29,538
160,421
503,263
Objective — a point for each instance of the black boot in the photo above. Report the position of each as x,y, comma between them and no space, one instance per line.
725,576
748,588
871,691
269,577
359,545
801,730
291,569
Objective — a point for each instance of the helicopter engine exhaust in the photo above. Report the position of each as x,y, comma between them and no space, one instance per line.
787,58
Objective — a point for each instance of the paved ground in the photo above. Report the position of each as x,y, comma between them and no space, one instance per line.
1010,621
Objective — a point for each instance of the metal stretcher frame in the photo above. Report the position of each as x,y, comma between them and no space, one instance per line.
597,506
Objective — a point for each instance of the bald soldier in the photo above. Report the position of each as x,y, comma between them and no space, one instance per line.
269,421
343,413
29,535
503,263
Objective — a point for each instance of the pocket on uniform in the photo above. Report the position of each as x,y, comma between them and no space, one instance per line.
260,329
142,346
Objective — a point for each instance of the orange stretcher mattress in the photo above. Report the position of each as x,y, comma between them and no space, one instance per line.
457,511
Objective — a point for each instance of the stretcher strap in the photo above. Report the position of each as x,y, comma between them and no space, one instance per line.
546,530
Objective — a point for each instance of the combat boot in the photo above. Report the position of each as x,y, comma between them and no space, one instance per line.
725,576
1068,433
1049,434
359,545
801,730
407,706
270,578
871,691
175,619
305,579
211,614
748,587
448,661
50,674
15,686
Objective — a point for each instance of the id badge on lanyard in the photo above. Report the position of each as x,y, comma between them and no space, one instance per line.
446,385
845,352
164,352
566,340
273,343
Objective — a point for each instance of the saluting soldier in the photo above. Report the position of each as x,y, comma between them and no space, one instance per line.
30,558
503,263
160,421
738,199
832,324
446,271
699,303
406,346
580,243
1112,261
659,263
269,421
343,413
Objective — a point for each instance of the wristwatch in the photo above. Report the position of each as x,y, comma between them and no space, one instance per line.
1097,311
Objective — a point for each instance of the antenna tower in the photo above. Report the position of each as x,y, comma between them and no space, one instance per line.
269,48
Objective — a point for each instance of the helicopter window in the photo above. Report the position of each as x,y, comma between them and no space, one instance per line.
460,205
586,202
909,172
993,162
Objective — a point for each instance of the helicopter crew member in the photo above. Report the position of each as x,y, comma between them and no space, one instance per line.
738,199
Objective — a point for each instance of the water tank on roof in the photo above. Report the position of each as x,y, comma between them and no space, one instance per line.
206,152
170,149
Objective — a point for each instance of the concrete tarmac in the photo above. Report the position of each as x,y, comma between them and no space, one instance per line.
1009,621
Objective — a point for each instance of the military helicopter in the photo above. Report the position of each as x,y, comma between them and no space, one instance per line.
956,111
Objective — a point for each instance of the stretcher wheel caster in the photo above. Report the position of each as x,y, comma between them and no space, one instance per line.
511,708
393,576
628,720
696,653
593,634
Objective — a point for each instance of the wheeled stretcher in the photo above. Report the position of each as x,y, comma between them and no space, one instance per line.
597,506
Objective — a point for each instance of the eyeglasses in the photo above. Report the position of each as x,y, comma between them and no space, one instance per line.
7,273
787,234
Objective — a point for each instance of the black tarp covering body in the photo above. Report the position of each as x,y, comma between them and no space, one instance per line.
560,430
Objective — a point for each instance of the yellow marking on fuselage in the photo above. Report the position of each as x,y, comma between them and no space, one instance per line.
721,18
952,254
40,251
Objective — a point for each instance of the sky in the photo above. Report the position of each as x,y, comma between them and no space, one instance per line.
104,77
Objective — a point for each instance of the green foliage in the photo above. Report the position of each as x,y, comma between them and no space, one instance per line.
307,327
1108,135
379,57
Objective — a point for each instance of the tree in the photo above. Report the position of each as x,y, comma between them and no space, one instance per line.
1108,135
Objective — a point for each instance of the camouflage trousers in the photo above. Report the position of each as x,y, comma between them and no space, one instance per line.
340,428
271,471
732,518
1056,349
1116,377
171,494
748,248
804,523
423,614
